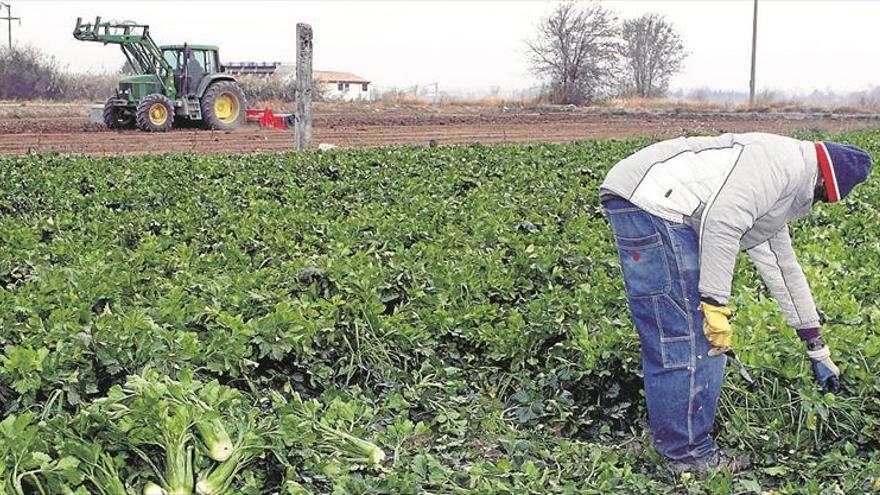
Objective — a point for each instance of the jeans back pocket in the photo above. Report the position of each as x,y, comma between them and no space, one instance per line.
644,265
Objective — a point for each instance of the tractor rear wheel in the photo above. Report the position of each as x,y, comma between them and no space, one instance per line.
155,113
116,117
223,106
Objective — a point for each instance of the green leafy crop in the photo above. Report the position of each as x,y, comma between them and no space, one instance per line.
390,320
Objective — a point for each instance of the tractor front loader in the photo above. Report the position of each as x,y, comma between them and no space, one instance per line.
171,83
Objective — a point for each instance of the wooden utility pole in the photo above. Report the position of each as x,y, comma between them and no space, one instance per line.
9,19
754,48
302,136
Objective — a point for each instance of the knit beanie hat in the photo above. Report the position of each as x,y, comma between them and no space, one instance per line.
843,166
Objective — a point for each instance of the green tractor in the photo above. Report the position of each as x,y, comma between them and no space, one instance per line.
172,83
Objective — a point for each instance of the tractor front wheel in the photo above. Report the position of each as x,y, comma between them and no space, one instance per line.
116,117
223,106
155,113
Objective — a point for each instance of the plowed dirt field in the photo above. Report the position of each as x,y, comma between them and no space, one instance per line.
370,126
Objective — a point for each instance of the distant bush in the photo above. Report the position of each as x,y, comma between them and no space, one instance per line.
264,89
96,87
26,73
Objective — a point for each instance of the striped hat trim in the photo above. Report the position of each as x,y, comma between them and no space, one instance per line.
827,167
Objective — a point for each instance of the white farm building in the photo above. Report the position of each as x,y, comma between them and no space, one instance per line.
342,85
334,85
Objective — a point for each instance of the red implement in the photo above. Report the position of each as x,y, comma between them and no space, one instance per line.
267,118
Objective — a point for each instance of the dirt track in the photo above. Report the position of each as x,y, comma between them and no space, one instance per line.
376,127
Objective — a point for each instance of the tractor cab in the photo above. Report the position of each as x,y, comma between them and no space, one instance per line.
191,63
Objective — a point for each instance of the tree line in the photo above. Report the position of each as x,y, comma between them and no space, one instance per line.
584,52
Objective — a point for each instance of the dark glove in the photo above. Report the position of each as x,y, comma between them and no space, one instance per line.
824,370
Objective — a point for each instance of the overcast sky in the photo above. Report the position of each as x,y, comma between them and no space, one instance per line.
802,45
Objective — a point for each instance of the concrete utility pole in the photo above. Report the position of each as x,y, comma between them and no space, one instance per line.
302,136
9,19
754,48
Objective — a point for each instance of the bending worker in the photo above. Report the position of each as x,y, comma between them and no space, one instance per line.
681,210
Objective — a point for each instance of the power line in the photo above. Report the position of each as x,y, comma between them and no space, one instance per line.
754,47
9,19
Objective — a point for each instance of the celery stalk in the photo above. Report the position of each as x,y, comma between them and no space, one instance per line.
216,438
153,489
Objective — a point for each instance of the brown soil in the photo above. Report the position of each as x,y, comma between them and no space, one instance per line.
377,126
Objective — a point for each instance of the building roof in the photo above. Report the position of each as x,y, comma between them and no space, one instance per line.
329,76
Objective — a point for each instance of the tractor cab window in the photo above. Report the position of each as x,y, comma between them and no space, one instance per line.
173,59
201,61
206,59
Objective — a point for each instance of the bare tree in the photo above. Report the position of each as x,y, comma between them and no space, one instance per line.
576,51
652,51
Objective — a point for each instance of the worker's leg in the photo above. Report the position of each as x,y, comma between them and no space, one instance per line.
708,372
660,262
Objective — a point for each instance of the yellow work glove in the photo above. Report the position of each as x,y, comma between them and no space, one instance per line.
716,328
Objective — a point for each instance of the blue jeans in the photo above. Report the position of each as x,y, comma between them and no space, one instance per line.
661,271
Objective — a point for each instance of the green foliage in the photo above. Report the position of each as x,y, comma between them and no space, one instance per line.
25,463
459,308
